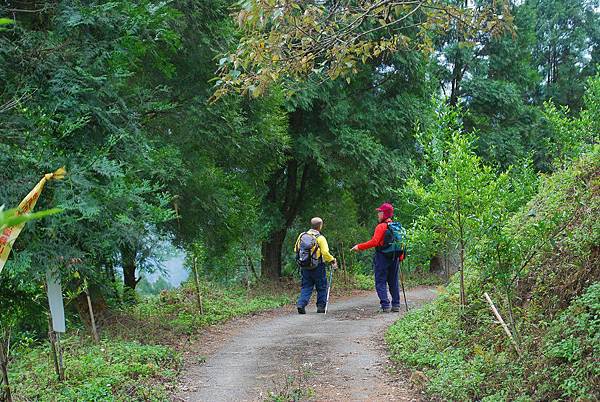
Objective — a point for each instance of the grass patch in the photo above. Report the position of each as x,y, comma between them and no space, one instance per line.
472,359
165,318
434,340
139,357
111,370
293,388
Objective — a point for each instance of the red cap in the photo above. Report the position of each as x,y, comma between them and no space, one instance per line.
387,209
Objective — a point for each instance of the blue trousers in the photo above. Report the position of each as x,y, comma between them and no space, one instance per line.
386,275
313,278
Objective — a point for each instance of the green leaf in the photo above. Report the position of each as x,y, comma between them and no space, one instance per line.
10,218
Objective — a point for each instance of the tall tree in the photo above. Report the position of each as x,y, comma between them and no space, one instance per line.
567,41
368,124
71,82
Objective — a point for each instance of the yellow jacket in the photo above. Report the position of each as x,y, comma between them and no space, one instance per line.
322,251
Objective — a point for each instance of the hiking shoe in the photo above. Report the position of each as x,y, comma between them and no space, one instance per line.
301,310
320,309
396,309
385,309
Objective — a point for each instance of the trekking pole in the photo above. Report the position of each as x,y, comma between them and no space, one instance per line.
402,283
328,289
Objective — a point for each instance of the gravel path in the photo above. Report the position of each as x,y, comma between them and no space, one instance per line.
340,356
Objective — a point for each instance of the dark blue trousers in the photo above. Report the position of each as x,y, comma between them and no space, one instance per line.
386,275
313,278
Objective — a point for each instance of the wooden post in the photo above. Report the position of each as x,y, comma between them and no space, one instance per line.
250,263
248,278
91,309
61,367
447,263
55,348
4,367
197,282
499,317
344,264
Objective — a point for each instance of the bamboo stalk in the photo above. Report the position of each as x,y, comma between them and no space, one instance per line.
499,317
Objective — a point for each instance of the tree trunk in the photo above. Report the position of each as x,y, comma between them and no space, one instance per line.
128,255
435,263
463,297
286,193
271,255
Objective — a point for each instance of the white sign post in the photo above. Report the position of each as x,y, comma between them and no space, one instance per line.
57,319
55,300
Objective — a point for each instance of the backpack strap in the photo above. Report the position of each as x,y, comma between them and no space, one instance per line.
297,245
317,246
387,227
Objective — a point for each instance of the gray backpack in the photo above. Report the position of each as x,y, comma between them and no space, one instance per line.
306,251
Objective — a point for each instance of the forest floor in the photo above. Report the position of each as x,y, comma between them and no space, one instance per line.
281,355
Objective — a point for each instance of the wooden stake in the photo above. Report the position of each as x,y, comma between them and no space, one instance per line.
4,368
344,263
55,349
402,283
197,282
92,319
250,263
53,346
499,317
61,368
248,278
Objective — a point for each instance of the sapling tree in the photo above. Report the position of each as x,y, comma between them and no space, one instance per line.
452,195
501,198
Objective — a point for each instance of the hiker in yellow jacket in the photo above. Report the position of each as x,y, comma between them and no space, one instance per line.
312,253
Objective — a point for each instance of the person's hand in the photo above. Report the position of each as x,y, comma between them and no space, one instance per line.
355,248
334,264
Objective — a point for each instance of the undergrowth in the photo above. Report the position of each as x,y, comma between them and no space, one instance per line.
465,354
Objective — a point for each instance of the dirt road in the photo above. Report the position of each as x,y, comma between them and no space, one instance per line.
335,357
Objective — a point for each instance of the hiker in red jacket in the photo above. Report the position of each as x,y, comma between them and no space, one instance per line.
384,266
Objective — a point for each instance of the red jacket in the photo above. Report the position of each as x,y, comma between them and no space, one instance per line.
377,239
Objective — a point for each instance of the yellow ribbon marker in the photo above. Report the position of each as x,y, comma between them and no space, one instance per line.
10,234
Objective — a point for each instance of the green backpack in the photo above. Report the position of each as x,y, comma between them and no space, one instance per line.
394,240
